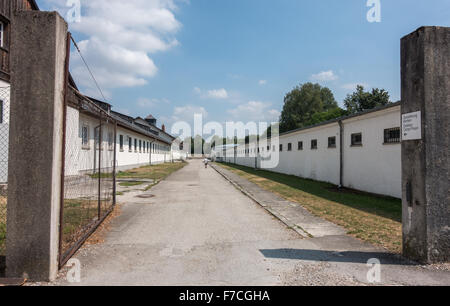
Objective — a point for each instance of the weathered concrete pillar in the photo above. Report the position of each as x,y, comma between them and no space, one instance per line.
38,54
426,144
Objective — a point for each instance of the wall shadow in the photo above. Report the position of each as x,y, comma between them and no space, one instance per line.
383,206
339,257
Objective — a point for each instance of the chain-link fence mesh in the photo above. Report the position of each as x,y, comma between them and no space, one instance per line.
4,147
89,173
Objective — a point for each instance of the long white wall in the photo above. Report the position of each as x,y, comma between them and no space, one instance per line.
372,167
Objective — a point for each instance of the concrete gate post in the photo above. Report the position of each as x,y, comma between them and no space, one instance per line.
425,63
38,53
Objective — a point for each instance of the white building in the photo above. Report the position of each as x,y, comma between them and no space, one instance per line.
369,158
138,142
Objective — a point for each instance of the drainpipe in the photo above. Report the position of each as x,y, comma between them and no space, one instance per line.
341,154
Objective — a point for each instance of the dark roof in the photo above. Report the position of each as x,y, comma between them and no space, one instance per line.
34,5
150,117
390,105
121,119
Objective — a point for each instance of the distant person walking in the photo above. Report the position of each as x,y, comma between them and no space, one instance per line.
206,161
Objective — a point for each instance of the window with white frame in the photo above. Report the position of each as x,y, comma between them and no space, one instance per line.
130,144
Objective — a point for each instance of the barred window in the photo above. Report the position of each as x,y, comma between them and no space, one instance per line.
289,146
121,142
135,145
281,148
357,139
392,135
85,137
314,145
300,145
130,144
97,137
140,146
331,142
110,141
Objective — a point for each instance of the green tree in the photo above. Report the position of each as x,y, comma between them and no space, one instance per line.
327,116
361,100
302,103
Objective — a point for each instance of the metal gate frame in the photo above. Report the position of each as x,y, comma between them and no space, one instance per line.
90,228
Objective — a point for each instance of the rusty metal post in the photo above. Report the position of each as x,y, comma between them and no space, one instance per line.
100,140
114,164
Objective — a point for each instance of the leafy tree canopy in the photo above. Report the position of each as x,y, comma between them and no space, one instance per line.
302,103
361,100
327,116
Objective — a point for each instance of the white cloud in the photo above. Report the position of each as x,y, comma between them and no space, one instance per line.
151,103
255,111
186,113
324,76
262,82
352,86
212,94
217,94
120,37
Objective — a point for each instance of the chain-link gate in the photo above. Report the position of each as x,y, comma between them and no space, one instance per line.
89,170
4,147
89,174
4,153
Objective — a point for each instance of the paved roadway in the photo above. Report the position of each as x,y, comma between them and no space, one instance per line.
198,229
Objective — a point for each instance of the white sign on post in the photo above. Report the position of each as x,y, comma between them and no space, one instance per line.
412,126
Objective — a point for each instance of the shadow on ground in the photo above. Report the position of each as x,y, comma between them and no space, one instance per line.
383,206
2,266
340,257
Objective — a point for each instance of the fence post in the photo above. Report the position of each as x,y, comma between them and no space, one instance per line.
38,54
426,144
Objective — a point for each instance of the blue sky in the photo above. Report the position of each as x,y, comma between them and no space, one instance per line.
234,60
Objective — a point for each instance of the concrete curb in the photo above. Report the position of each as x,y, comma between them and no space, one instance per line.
284,220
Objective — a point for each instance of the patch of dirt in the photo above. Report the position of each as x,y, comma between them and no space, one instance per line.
317,274
99,235
439,267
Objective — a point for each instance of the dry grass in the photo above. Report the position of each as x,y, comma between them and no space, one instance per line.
79,216
371,218
154,172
